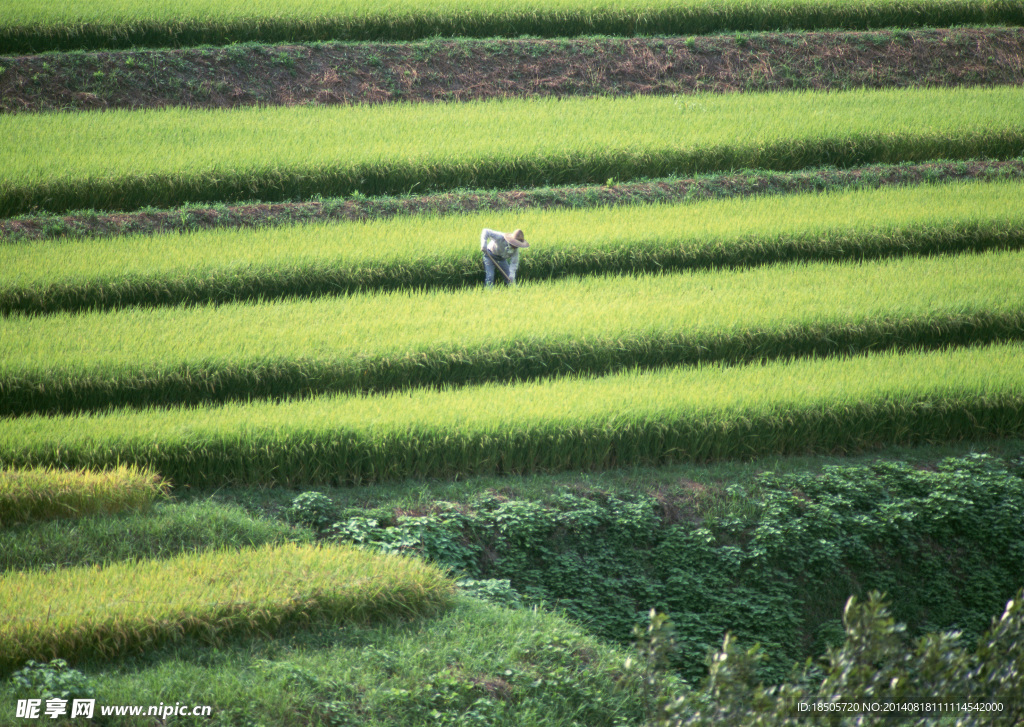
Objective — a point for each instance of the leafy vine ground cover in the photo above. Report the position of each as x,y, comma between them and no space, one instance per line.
946,545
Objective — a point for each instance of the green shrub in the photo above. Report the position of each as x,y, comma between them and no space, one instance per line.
52,680
493,590
931,680
314,510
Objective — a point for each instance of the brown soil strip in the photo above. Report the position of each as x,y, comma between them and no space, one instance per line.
666,190
463,69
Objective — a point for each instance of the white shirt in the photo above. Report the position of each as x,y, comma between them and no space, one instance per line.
497,243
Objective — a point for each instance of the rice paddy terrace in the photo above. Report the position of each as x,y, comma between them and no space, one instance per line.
239,248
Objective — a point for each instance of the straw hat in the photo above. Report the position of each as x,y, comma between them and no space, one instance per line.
516,239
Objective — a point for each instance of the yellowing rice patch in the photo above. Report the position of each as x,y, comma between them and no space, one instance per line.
106,611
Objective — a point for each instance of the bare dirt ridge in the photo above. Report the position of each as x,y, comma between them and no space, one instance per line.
464,69
465,201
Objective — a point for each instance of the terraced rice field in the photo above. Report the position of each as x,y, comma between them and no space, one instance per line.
99,611
697,413
122,160
361,257
399,340
814,319
103,23
41,494
733,281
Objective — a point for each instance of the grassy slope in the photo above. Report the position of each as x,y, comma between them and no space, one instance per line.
391,673
167,530
793,563
515,668
476,652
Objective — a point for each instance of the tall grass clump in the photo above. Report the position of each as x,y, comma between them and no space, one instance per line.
701,413
381,342
35,27
351,257
126,159
45,493
108,611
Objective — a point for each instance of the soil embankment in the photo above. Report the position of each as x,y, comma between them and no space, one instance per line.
469,69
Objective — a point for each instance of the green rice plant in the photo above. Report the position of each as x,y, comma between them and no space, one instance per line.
126,159
167,529
44,494
105,612
34,27
701,413
596,324
347,257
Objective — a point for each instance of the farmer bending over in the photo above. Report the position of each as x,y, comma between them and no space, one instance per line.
501,251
